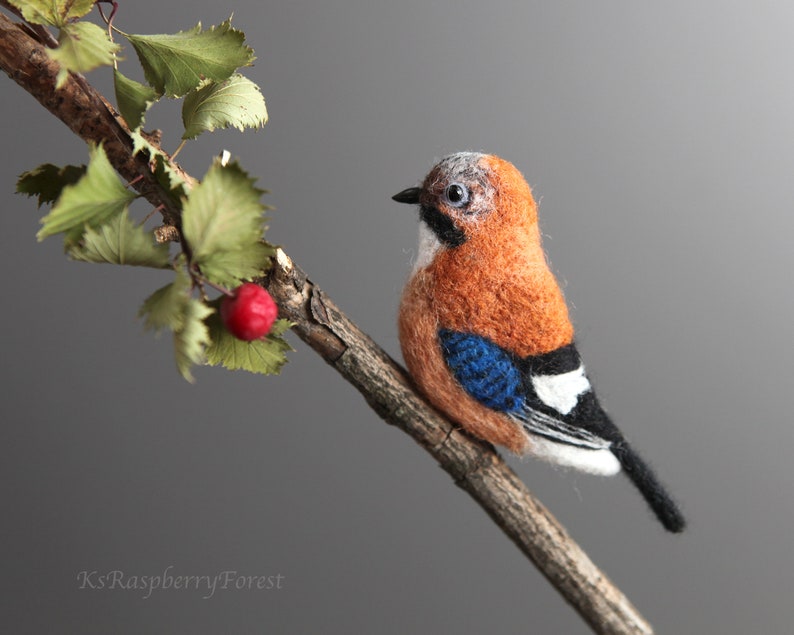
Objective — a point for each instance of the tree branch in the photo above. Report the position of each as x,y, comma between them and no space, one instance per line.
473,465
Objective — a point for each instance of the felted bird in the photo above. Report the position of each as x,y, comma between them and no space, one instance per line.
485,331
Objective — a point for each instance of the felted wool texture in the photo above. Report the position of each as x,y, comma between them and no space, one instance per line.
484,370
496,284
485,330
418,331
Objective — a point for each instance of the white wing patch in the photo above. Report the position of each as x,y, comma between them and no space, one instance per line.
562,391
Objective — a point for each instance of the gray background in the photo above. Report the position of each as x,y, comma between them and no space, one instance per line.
659,140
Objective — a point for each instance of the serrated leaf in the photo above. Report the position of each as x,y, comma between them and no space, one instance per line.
165,173
237,103
172,307
280,327
121,242
176,64
168,177
222,222
47,181
83,46
166,307
52,12
97,196
140,143
265,356
132,98
192,338
229,268
223,212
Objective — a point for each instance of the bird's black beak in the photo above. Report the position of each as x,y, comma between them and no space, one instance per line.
410,196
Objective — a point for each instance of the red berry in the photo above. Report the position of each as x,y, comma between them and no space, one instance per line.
249,313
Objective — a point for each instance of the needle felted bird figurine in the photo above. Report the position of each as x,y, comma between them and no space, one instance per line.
485,331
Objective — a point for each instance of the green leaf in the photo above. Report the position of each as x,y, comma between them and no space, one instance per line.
222,222
91,201
163,170
53,12
132,98
121,242
176,64
280,327
265,356
230,268
192,338
47,181
237,102
83,47
172,307
166,307
140,143
168,177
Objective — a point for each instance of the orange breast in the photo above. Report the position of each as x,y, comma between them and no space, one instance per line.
503,291
418,328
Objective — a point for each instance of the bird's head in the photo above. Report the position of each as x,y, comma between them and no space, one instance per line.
471,198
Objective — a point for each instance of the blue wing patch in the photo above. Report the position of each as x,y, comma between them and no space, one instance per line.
484,370
505,383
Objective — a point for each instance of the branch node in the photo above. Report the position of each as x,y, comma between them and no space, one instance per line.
166,234
283,260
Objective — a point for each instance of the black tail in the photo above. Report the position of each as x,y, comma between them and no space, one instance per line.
653,492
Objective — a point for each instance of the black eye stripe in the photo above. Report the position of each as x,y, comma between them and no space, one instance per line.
442,226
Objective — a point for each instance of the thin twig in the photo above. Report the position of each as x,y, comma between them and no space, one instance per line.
474,466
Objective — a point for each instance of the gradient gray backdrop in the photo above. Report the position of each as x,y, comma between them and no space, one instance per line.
658,138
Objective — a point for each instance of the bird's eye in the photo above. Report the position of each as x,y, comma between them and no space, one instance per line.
456,194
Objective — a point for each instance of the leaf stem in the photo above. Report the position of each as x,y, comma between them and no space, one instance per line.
135,180
152,213
109,21
178,149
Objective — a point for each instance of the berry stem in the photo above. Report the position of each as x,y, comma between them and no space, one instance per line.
201,280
